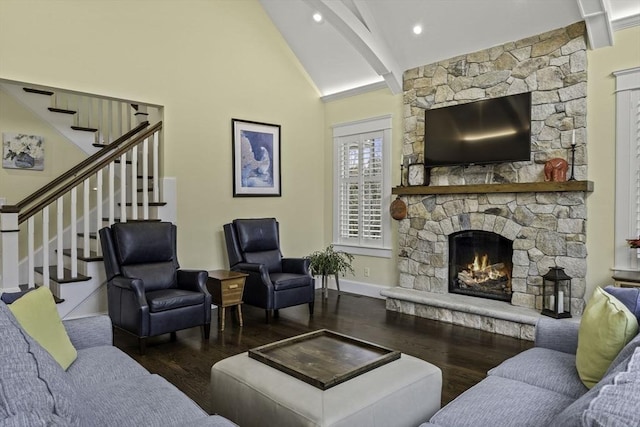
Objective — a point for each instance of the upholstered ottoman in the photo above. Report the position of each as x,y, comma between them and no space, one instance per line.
405,392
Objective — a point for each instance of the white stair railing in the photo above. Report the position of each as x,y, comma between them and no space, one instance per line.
64,194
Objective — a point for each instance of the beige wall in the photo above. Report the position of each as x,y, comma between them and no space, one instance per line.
601,137
206,62
209,61
60,153
383,270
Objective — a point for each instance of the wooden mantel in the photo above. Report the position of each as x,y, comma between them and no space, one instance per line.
525,187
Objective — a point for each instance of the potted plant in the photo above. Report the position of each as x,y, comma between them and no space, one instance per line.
330,262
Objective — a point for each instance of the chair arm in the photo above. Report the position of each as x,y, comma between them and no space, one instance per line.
133,285
296,265
255,271
86,332
193,280
557,334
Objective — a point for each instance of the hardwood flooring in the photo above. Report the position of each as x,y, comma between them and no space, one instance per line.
463,354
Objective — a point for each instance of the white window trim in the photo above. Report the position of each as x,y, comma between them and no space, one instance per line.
376,124
627,98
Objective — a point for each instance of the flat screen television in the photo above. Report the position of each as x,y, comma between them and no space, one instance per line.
493,130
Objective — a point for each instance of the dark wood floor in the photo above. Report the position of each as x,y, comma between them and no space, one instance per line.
463,354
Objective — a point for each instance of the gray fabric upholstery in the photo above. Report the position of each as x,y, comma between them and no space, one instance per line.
502,402
549,369
94,367
34,389
541,387
88,332
102,387
560,335
149,400
572,416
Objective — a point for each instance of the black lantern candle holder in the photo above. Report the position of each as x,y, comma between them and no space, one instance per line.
556,293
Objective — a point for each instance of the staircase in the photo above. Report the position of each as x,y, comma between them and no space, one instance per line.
50,237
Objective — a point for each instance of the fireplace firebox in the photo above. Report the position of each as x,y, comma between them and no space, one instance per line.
480,264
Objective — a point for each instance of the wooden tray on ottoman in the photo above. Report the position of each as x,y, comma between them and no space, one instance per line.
323,358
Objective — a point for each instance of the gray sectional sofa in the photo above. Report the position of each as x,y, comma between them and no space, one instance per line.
103,386
541,387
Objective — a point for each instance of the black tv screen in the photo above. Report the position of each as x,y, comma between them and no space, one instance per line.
493,130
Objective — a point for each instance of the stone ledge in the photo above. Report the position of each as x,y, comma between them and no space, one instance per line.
466,304
488,315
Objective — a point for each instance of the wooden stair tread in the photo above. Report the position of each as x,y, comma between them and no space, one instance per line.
85,129
61,110
93,255
150,204
132,220
57,299
38,91
92,235
66,278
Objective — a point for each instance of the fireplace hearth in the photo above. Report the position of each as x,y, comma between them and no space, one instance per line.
480,264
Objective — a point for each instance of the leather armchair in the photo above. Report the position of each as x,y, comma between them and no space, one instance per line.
147,292
274,282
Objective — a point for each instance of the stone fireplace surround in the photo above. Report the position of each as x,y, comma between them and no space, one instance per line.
548,228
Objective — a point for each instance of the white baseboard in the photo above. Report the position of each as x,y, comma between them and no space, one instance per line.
354,287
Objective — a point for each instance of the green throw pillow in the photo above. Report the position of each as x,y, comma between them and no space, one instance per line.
606,327
37,314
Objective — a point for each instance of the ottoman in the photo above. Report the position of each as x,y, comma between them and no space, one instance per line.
402,393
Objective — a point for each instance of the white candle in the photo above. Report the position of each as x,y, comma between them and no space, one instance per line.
560,302
573,137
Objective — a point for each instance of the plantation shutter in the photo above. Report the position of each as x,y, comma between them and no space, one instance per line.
361,188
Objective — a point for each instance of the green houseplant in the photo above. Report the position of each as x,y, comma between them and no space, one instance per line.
329,262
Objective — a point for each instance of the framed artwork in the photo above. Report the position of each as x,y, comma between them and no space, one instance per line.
21,151
256,159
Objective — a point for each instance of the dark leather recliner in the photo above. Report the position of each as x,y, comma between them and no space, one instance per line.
148,294
274,282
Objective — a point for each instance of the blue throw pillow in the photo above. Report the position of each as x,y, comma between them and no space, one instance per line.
630,297
10,297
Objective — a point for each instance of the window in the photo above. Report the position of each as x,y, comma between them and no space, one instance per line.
362,188
627,167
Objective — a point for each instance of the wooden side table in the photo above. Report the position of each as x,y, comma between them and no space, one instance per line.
626,279
226,288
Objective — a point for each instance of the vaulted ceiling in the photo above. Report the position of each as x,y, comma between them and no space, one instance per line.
359,45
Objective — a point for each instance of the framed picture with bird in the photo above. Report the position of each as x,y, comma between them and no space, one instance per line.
256,159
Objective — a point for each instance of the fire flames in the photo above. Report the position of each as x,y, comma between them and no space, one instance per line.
482,271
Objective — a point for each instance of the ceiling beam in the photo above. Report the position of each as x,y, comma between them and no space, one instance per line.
363,37
596,16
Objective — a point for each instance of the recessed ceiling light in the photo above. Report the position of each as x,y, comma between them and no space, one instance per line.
417,29
317,17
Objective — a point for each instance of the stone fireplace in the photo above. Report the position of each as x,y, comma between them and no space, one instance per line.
533,226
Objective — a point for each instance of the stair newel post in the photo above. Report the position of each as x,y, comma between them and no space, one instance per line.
156,172
123,187
98,210
134,182
111,197
31,264
119,118
109,126
86,217
100,135
45,246
59,238
127,110
10,233
74,232
145,178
